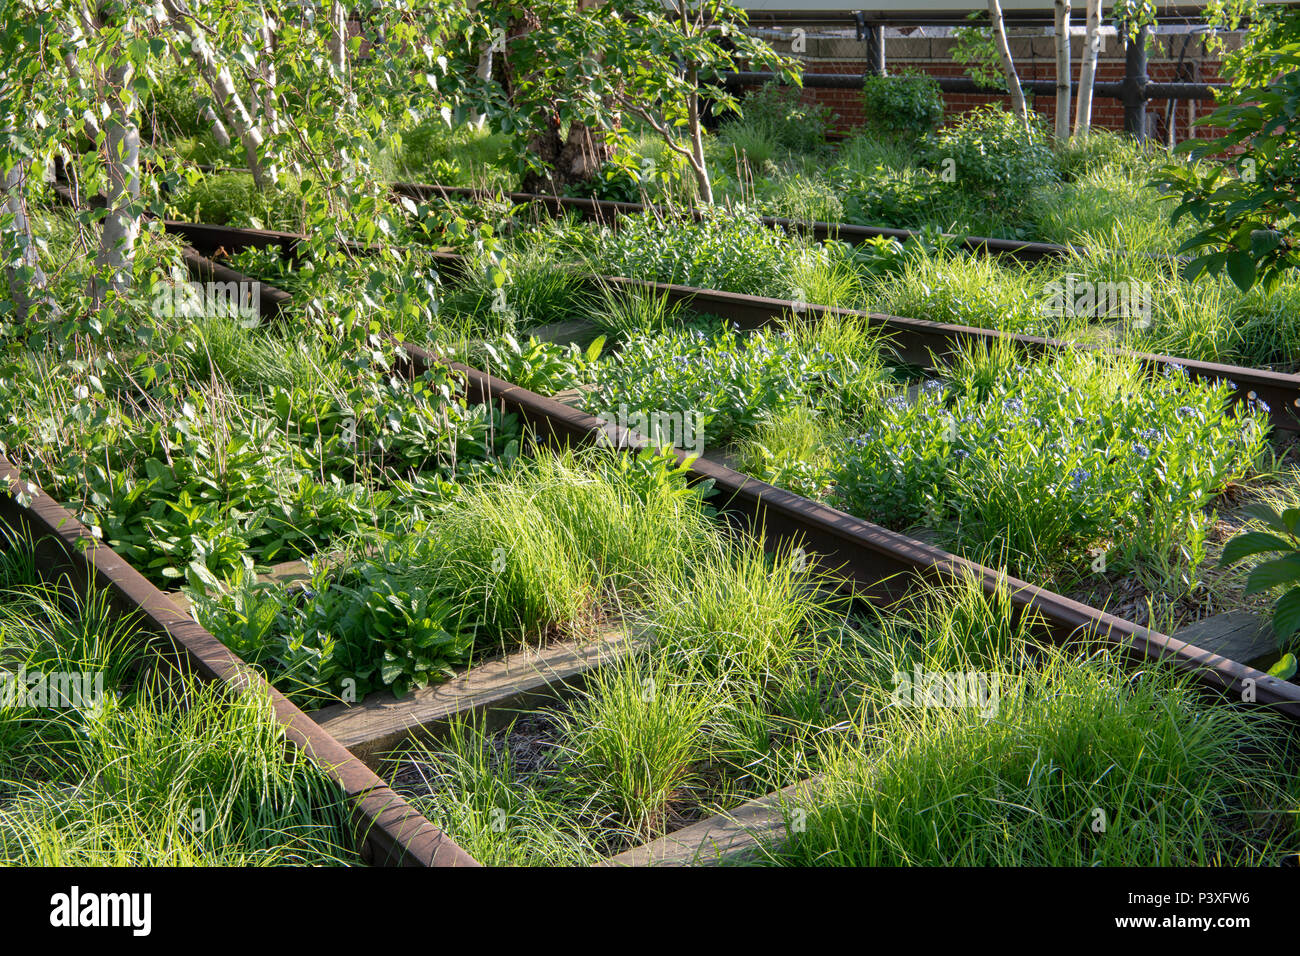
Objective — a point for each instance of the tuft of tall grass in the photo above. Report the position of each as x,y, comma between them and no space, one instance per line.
634,311
1085,763
980,291
635,738
502,808
158,769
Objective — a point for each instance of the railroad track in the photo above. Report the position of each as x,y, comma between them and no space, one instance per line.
387,829
607,212
917,341
879,566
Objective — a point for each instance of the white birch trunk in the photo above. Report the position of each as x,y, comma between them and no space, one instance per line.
1062,9
116,258
222,85
27,283
266,67
1088,69
74,75
339,43
1008,64
484,73
208,114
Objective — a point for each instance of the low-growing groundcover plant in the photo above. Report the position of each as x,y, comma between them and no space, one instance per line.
197,483
541,366
727,382
1054,467
156,772
199,448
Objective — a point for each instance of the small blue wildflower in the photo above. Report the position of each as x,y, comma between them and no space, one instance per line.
1078,477
897,402
1149,434
1142,451
1185,410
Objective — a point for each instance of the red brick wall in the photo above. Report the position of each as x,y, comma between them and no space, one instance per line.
1107,112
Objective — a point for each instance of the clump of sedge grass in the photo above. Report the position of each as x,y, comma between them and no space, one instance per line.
1068,757
157,770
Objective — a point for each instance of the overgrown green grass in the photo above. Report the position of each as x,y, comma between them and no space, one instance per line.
1068,757
747,661
158,771
1084,763
550,548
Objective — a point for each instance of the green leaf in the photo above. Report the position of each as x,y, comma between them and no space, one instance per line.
1252,542
1272,573
1286,615
1285,668
1262,512
1241,269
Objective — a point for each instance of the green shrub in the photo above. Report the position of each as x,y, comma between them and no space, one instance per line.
988,154
233,199
902,198
904,104
785,117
